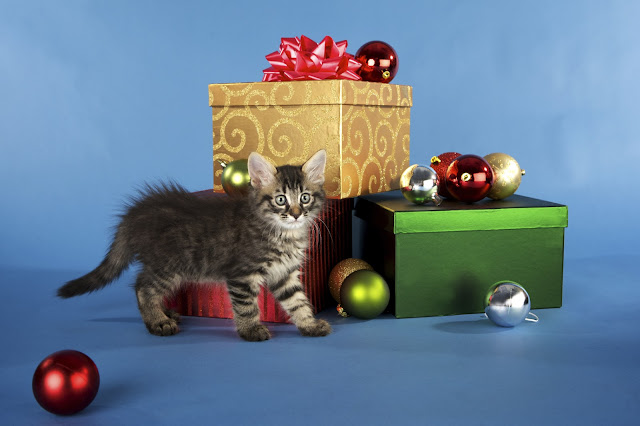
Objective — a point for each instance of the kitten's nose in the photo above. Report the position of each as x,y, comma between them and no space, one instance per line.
295,211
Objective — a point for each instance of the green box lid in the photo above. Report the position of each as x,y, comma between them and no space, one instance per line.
392,212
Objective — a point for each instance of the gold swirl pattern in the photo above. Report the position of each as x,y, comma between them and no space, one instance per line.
373,169
286,138
281,101
380,140
249,102
364,127
360,127
351,171
239,123
392,173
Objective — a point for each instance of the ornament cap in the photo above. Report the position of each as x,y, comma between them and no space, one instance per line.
222,164
523,172
435,160
341,311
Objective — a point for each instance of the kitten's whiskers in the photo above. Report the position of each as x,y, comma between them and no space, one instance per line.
327,228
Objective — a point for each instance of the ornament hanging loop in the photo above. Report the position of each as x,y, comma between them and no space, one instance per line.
531,317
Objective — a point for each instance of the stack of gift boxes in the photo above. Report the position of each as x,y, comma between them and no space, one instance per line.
437,260
364,128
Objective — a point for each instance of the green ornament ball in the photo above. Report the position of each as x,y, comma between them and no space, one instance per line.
235,177
364,294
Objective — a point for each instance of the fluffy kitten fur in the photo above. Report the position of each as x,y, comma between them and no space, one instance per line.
246,242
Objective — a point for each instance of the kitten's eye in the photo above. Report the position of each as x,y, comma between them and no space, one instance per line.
305,198
280,200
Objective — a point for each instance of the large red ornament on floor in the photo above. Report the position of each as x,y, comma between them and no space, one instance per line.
66,382
379,62
469,178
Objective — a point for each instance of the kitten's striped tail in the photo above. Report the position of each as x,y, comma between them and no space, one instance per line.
115,262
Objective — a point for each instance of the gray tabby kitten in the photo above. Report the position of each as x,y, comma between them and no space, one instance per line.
246,242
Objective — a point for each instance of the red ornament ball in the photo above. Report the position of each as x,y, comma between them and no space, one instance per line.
440,163
66,382
379,62
469,178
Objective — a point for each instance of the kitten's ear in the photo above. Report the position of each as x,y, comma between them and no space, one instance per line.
314,167
261,172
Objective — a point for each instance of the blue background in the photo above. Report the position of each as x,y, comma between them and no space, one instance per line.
99,97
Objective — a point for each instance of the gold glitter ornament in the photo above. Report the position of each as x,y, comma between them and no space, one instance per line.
507,175
341,271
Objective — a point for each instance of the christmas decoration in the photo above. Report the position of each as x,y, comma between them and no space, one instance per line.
507,304
419,184
341,311
379,62
469,178
304,59
507,175
364,294
235,177
341,271
65,382
440,164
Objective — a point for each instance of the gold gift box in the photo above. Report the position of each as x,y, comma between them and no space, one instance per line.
363,126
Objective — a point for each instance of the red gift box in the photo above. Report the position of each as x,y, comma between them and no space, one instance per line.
328,244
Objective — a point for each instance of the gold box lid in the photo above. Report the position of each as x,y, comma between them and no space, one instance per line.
321,92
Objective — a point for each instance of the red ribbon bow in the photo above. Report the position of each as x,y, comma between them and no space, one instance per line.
304,59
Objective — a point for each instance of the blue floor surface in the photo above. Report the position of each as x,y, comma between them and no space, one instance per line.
580,365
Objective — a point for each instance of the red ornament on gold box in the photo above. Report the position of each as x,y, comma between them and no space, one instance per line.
328,245
379,61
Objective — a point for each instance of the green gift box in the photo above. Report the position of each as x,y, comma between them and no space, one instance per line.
443,260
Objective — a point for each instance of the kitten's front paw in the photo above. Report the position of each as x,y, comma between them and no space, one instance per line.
173,315
318,328
256,333
166,327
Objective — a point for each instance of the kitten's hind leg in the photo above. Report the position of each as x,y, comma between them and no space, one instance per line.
150,291
246,312
291,297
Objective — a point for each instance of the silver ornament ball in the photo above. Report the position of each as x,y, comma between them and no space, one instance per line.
419,184
507,304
